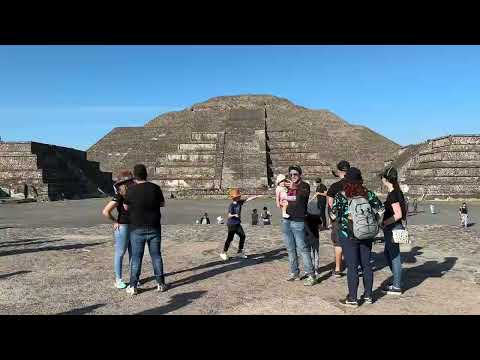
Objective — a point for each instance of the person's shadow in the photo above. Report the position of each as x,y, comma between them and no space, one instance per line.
176,302
233,264
415,276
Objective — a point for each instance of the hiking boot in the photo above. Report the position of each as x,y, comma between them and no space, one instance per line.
119,284
132,290
162,287
242,255
224,256
392,290
348,303
310,281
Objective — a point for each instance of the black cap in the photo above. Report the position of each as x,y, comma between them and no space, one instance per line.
354,176
389,173
343,165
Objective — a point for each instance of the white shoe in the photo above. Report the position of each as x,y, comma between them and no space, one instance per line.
119,284
242,255
132,291
224,256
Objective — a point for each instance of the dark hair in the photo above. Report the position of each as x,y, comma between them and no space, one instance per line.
318,180
295,167
254,210
140,172
353,189
265,208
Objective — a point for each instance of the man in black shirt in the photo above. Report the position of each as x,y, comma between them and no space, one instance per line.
335,188
143,201
321,194
293,227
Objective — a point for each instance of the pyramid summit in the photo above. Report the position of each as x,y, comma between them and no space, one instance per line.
241,141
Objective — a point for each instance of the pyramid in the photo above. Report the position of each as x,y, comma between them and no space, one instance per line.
242,141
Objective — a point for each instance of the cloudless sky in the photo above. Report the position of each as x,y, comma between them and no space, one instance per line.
74,95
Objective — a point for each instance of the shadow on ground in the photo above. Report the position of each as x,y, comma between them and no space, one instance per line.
82,311
415,276
176,302
48,248
26,242
4,276
229,265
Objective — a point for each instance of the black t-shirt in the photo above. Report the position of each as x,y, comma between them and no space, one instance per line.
392,198
143,202
123,215
463,210
335,188
322,200
298,209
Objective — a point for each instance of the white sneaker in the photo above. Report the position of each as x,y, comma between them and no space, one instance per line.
242,255
119,284
224,256
132,291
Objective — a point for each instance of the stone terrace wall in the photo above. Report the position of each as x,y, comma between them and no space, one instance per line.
446,167
51,170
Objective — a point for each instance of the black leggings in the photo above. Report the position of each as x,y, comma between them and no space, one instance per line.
232,230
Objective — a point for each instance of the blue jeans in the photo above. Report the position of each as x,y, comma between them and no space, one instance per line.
294,238
122,244
392,254
138,237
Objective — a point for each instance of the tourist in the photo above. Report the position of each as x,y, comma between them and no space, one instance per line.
234,223
463,214
266,216
293,227
143,201
205,220
321,196
415,206
121,231
395,214
312,227
281,195
357,212
334,189
254,217
25,190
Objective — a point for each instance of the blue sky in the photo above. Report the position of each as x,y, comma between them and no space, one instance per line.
74,95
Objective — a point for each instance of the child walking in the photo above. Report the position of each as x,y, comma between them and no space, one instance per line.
234,223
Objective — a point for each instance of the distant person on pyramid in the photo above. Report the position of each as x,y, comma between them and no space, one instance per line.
234,223
121,231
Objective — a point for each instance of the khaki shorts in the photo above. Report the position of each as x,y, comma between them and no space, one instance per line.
334,235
